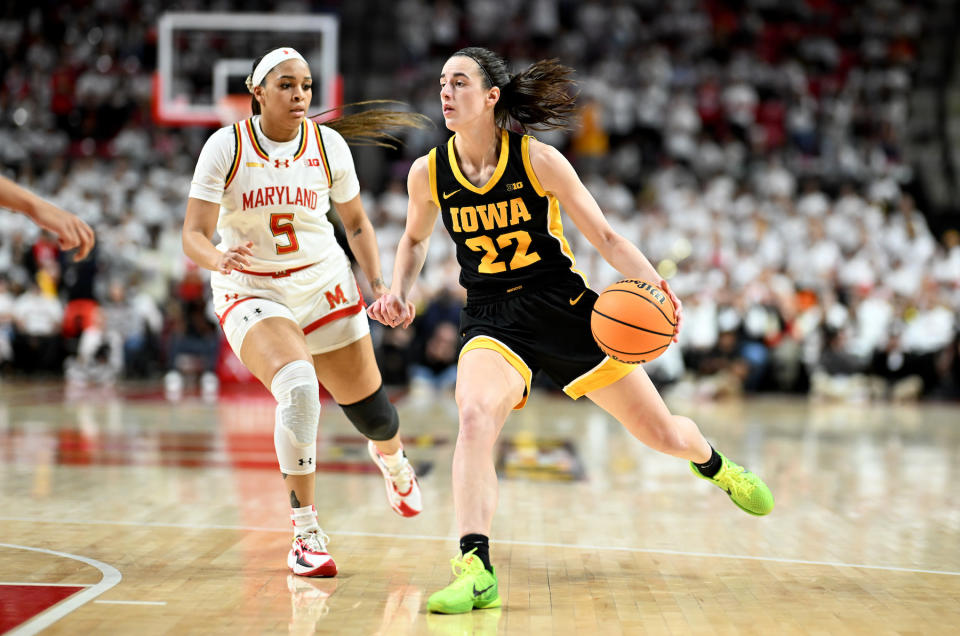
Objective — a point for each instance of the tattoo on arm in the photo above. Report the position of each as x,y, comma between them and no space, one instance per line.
294,502
358,231
377,281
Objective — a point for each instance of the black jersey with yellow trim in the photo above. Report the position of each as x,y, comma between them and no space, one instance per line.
508,232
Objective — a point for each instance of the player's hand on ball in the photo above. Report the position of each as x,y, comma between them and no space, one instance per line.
677,307
235,258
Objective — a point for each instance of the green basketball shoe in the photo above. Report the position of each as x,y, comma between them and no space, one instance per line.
473,588
745,489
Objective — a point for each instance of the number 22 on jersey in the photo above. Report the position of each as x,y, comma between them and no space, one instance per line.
489,264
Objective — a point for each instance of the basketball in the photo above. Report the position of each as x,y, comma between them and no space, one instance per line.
633,321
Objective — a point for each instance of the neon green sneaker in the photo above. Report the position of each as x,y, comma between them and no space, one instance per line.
745,489
473,588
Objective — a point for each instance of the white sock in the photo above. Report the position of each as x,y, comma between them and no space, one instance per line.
392,461
304,520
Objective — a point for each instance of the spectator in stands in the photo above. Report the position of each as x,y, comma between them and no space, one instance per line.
37,343
436,366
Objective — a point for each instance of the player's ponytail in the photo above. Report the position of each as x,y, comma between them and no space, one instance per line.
541,97
369,127
365,128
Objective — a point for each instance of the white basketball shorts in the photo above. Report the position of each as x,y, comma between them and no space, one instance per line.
325,302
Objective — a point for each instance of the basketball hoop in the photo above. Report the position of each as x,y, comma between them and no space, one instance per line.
196,69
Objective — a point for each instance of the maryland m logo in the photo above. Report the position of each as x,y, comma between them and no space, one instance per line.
335,297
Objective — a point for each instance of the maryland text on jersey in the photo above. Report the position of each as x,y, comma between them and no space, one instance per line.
279,195
508,232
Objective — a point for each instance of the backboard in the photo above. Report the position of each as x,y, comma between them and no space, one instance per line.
203,59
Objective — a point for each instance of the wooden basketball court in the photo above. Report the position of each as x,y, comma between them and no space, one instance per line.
121,512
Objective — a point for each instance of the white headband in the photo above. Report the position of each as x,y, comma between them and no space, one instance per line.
269,61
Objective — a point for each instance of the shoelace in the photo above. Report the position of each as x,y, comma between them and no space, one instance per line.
464,564
316,541
401,475
729,477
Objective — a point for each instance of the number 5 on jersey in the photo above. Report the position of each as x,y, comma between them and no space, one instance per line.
281,224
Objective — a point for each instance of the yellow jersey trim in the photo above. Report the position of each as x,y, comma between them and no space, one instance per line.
515,361
528,166
555,223
303,140
555,229
301,147
235,168
604,374
323,154
432,172
501,165
255,142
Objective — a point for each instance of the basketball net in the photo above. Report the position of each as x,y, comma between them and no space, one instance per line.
232,108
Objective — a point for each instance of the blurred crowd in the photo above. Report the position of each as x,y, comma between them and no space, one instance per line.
753,149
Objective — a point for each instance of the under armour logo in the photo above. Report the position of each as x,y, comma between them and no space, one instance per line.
308,460
276,163
258,310
229,296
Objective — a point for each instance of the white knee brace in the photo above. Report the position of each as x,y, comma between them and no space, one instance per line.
298,412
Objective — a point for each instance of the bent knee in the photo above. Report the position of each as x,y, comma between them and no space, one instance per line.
664,435
480,419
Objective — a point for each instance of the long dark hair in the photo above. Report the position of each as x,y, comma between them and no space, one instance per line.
541,97
364,128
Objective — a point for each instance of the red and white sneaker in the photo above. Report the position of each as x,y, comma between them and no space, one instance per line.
403,491
309,557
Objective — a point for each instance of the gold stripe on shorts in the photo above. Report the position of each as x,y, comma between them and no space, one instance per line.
515,361
604,374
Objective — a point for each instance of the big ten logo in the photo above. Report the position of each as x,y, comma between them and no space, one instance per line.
335,297
313,163
514,186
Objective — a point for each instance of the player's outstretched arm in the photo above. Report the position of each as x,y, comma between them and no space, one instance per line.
393,309
71,231
556,175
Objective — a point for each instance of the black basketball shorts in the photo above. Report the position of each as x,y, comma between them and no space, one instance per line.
548,329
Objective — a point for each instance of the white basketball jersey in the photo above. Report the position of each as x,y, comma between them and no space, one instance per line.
280,201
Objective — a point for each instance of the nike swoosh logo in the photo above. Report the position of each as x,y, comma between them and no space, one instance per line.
478,593
574,301
447,196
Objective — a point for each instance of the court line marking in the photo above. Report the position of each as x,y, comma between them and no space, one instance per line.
539,544
46,584
132,602
49,616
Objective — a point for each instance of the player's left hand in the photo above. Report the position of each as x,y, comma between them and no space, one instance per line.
379,291
392,312
677,305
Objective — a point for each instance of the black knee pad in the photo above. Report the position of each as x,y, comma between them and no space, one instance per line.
374,416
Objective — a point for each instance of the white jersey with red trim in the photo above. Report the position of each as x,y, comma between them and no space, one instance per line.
277,194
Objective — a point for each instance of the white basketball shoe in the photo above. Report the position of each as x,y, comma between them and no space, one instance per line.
309,557
403,491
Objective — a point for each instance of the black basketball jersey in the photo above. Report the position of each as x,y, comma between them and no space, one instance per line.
508,232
